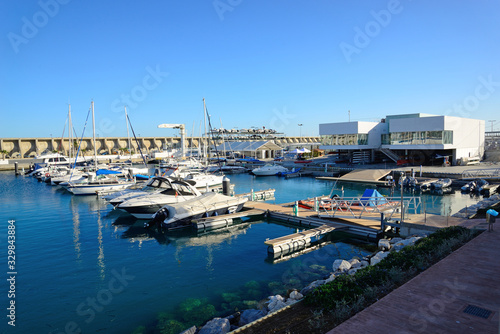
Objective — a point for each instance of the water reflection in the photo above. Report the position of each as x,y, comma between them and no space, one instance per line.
447,203
136,232
97,206
124,220
210,238
76,229
100,257
93,203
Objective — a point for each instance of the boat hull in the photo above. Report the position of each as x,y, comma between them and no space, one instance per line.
269,170
186,222
209,204
94,189
143,211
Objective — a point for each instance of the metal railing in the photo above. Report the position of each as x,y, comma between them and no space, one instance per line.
390,154
367,207
481,173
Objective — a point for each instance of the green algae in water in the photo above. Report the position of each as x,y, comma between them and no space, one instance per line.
171,326
230,297
196,312
276,288
252,285
140,330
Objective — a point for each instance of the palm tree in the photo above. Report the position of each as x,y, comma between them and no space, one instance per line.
3,153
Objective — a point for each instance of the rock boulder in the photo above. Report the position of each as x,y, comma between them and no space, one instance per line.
355,263
378,257
312,286
341,265
249,316
216,326
295,295
190,330
384,244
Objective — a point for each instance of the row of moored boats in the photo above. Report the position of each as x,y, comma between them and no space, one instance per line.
474,187
171,200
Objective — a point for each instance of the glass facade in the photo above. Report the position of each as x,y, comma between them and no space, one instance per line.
418,138
345,139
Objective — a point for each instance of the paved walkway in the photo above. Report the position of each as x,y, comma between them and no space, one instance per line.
435,300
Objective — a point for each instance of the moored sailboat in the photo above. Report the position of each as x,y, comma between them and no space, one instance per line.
101,181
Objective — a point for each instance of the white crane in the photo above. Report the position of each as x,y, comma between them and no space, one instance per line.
182,129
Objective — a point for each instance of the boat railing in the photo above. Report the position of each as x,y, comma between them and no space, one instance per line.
367,207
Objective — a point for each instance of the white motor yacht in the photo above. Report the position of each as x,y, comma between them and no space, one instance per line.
269,169
155,185
144,204
209,204
202,180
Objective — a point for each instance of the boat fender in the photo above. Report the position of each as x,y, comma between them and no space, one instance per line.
47,174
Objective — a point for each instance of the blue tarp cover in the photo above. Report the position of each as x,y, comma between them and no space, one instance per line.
248,160
374,197
106,172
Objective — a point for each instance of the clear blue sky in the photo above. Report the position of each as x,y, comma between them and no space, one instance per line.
257,63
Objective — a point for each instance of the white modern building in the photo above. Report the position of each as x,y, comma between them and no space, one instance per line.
408,138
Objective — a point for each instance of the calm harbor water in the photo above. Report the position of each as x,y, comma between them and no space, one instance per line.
82,265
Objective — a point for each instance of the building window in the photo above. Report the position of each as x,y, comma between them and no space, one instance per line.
418,138
345,139
447,137
363,139
326,140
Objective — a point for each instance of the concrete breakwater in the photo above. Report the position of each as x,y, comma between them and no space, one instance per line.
30,147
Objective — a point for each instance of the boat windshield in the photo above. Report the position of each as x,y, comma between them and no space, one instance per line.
182,189
155,184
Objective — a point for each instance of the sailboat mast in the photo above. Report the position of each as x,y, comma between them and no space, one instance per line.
128,134
93,135
223,139
70,138
205,154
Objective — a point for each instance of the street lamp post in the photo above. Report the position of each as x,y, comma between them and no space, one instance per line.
300,131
